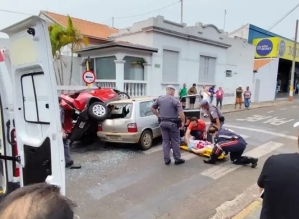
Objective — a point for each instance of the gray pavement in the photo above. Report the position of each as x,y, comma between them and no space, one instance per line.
124,182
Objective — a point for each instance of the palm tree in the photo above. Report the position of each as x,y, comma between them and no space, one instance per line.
75,39
58,41
61,37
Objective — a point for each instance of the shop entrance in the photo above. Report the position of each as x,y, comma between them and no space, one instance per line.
284,77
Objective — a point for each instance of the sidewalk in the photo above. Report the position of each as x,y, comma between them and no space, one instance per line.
252,211
231,107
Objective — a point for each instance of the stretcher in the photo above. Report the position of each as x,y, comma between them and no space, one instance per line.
207,153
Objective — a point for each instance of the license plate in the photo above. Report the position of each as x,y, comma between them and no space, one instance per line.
81,125
114,138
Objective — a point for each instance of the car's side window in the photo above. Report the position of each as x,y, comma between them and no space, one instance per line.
145,108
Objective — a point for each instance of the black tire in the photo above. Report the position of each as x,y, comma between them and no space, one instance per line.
98,111
146,140
123,95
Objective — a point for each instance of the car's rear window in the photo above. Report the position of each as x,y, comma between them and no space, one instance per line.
120,110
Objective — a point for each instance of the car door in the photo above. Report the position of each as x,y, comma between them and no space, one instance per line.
35,104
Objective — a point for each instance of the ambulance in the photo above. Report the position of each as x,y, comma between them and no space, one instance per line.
31,147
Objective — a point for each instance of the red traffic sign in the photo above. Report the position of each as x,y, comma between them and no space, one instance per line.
89,77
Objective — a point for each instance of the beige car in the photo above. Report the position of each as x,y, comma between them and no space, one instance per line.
130,121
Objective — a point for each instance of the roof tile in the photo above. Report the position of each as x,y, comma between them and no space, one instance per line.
87,28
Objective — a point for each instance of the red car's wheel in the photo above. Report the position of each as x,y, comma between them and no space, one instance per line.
98,111
123,95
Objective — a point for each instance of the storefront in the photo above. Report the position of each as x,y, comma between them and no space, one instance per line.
281,49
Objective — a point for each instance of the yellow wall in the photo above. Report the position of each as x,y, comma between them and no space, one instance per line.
275,47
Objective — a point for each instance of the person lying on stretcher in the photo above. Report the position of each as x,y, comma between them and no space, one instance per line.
196,128
199,146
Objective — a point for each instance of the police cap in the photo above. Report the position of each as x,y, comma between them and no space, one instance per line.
170,87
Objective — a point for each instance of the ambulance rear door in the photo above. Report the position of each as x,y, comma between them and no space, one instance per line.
36,112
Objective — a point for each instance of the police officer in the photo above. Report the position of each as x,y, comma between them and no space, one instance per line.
169,109
228,141
216,117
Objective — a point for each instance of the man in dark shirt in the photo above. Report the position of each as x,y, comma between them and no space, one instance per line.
239,92
279,181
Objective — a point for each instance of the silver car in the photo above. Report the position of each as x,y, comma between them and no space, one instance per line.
130,121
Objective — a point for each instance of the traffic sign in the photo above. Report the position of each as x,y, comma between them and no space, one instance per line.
89,77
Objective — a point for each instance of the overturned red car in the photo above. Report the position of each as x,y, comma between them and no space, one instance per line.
94,101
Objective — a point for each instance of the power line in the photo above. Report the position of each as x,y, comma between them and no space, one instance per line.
149,12
281,19
15,12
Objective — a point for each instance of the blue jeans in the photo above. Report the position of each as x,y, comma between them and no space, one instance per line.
211,99
197,134
247,102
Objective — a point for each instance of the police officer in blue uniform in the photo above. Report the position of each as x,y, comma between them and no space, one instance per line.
228,141
216,117
171,116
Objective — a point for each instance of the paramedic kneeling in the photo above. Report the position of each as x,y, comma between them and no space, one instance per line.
228,141
196,128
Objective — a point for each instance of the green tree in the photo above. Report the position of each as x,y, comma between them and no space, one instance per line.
65,36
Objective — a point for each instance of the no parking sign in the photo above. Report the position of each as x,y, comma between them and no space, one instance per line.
89,77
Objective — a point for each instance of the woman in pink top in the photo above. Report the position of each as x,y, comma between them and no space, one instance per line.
219,97
247,96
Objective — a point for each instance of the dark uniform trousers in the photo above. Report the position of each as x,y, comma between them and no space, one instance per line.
234,147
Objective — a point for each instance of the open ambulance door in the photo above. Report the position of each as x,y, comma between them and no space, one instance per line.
9,169
35,103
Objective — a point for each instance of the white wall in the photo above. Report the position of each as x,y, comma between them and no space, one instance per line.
77,70
267,75
242,32
240,60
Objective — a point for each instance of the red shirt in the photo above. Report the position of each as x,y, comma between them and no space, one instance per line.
219,94
201,126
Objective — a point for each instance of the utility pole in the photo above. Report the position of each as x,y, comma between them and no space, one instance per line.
112,22
293,64
224,21
182,11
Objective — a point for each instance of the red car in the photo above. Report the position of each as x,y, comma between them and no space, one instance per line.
92,101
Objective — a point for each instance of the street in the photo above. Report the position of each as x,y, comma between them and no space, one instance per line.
123,182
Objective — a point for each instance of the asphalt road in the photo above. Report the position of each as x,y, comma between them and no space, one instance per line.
125,183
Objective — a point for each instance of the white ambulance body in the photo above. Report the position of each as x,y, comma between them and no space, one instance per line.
31,148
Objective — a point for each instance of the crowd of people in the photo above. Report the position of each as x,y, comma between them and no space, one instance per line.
210,93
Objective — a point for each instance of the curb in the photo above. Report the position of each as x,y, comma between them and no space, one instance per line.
249,211
257,107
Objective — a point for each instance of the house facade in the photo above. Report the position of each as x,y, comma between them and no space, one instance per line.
156,52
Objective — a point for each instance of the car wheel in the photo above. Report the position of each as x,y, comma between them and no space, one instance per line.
146,140
98,111
123,95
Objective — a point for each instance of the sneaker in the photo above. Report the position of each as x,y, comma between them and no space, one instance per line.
69,164
168,162
209,161
179,161
254,162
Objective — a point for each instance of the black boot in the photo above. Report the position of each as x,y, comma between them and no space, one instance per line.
211,160
179,161
253,162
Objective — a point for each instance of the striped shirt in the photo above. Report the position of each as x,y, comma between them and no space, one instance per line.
247,94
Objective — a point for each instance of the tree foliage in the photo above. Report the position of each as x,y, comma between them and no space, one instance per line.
62,37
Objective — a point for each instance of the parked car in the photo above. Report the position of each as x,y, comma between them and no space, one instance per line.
93,100
130,121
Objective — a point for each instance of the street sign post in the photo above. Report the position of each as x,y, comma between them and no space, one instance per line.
89,77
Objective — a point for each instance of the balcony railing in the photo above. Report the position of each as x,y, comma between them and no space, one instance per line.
135,88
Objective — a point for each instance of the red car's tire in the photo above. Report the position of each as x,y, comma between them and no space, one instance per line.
98,111
123,95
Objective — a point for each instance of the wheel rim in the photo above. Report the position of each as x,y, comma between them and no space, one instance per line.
123,96
99,110
147,140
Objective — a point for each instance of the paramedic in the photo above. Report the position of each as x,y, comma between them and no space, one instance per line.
169,110
196,128
228,141
216,117
67,158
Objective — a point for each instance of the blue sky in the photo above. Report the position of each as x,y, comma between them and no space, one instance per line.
260,13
